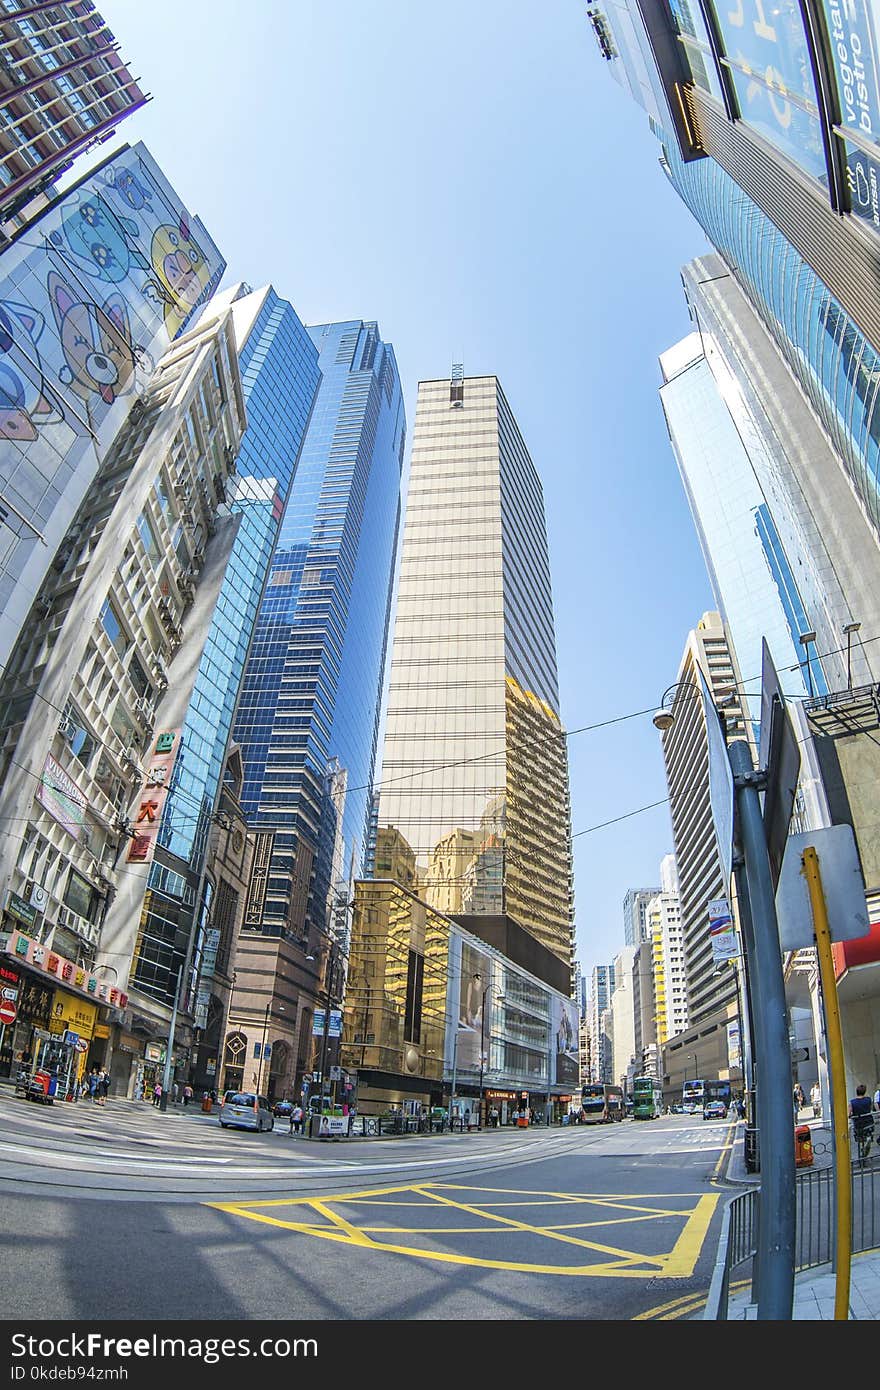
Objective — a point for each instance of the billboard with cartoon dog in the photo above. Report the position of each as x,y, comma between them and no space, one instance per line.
91,294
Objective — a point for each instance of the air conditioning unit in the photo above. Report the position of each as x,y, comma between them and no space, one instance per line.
67,727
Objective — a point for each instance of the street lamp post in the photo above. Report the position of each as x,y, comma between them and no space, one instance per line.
767,1014
482,1049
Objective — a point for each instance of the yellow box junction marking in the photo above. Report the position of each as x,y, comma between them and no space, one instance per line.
483,1210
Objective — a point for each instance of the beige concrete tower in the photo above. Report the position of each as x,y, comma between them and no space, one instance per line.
475,769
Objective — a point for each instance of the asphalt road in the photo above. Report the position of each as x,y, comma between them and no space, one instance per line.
123,1213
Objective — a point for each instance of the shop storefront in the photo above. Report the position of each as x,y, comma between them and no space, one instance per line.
10,993
58,1007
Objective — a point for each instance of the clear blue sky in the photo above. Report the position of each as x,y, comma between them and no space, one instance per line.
470,176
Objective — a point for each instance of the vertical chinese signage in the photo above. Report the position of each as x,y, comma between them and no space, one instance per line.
154,793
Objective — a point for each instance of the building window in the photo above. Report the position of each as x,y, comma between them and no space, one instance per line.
148,536
112,625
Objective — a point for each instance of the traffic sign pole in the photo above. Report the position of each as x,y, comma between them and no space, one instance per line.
776,1217
840,1127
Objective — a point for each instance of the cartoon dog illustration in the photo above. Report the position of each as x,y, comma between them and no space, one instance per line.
24,403
182,271
96,342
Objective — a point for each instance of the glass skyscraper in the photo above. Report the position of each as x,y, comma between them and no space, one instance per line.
307,721
474,802
770,136
280,375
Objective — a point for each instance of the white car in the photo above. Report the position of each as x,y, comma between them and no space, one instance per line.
246,1110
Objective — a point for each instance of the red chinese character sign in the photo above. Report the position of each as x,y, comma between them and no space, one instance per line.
154,793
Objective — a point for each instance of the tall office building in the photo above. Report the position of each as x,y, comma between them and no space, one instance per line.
65,89
686,755
635,904
159,919
475,770
307,721
769,131
622,1007
786,542
600,997
91,296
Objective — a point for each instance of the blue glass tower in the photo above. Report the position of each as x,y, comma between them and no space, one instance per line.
280,375
308,717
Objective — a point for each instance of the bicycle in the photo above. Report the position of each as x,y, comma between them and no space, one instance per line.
863,1135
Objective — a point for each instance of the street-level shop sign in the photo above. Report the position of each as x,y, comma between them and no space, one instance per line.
62,971
20,910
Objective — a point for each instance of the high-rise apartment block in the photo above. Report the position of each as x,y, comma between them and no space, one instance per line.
64,89
686,755
475,770
600,1046
635,905
94,704
667,949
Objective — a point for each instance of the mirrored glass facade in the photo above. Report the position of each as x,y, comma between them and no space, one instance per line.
753,583
308,717
431,1008
279,373
831,359
474,803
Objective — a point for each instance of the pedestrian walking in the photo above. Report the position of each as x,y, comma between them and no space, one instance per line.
175,1092
102,1086
157,1093
296,1119
92,1084
187,1095
816,1099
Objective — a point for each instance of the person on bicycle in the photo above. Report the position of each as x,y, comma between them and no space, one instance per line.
860,1109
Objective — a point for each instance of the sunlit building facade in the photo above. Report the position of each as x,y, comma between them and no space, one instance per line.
475,774
436,1016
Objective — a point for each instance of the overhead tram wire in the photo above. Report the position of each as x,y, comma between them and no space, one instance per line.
482,757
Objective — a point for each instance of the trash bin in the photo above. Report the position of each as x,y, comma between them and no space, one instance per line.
803,1147
206,1103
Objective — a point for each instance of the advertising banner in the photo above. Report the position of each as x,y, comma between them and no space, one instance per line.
565,1041
334,1027
725,945
62,798
473,1030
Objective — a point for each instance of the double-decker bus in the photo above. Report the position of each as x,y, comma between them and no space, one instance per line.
696,1094
693,1096
601,1104
647,1098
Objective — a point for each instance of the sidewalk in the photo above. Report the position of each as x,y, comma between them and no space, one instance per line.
814,1290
